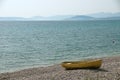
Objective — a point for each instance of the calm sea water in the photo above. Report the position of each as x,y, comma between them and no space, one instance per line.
42,43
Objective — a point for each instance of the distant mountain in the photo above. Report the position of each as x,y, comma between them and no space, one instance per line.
11,18
96,16
60,17
109,18
36,18
81,17
104,15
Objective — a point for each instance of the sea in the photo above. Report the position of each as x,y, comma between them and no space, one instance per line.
28,44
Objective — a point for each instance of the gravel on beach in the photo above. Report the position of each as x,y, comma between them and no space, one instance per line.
110,70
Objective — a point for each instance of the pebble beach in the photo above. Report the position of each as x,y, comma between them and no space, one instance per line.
110,70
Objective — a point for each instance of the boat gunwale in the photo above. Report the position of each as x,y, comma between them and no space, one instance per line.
82,61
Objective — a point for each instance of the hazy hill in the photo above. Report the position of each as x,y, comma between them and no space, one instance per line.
104,15
95,16
11,18
109,18
81,17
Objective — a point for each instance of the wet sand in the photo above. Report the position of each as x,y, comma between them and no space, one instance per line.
110,70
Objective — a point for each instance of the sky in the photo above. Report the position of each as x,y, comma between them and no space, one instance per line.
29,8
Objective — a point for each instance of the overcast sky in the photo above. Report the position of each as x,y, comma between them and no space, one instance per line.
29,8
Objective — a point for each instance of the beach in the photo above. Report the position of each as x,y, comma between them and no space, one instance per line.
110,70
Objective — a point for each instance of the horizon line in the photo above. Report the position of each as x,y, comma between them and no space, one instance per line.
62,15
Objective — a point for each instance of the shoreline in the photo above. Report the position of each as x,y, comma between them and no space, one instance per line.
39,66
110,70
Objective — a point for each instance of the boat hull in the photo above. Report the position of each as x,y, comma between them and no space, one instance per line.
87,64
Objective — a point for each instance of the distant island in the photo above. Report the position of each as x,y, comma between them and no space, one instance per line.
95,16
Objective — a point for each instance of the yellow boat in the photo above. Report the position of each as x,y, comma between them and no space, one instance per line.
86,64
